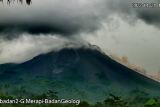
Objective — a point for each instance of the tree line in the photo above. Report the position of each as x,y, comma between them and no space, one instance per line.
28,2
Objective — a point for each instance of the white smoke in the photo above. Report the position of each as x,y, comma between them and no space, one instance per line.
26,47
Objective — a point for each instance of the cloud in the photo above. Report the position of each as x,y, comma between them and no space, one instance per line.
127,8
27,46
74,17
71,17
52,17
150,17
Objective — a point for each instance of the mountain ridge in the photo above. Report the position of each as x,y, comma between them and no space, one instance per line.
84,72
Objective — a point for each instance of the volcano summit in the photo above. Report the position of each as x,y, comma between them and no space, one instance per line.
85,74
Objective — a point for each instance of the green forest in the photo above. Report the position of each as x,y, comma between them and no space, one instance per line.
137,98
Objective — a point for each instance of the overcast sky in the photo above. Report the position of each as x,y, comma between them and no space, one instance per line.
113,25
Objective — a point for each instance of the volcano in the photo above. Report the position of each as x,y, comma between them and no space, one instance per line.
86,74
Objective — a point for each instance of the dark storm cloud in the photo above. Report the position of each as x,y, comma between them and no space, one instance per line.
150,17
41,28
55,26
52,16
128,7
68,18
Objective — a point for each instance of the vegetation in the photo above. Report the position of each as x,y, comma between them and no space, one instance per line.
139,99
28,2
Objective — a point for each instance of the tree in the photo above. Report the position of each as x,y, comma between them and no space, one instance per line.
28,2
151,103
84,104
115,101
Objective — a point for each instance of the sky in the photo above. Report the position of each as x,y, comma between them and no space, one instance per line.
113,25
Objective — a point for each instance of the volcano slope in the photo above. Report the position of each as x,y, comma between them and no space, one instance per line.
85,74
